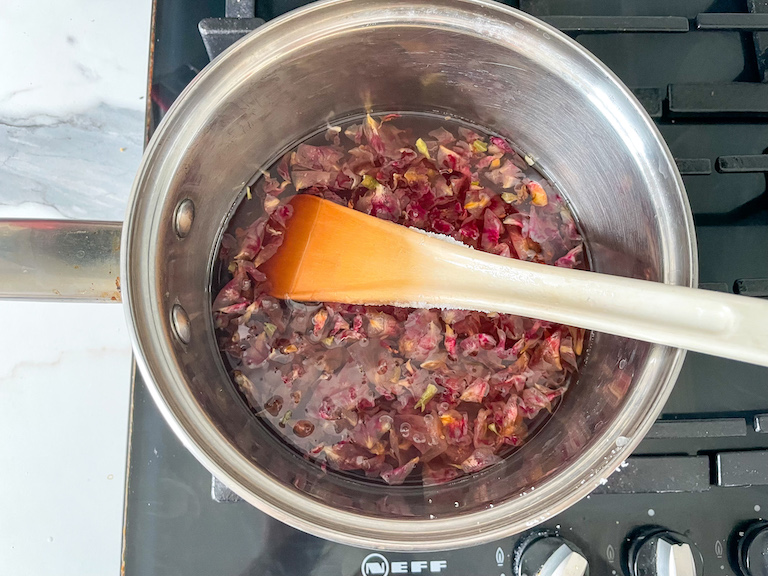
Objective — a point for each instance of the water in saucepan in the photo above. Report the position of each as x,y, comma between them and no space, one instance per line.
399,395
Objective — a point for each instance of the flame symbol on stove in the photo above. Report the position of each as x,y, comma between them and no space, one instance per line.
499,556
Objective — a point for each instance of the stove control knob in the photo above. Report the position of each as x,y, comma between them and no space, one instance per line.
752,550
547,554
660,552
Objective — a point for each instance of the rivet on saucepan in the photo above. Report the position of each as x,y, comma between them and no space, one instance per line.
183,218
180,323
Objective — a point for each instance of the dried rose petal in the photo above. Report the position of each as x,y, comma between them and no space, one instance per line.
332,135
251,241
533,401
476,391
510,416
538,195
492,231
455,426
480,458
470,230
442,136
317,157
506,176
551,350
398,475
477,200
572,259
318,322
372,134
501,144
449,159
355,132
450,341
422,335
308,178
567,354
380,202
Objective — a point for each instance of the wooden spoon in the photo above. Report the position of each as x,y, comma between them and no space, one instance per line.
335,254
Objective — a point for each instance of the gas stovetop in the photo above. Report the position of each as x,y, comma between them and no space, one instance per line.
692,497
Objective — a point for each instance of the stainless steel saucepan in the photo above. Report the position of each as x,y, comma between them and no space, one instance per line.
472,59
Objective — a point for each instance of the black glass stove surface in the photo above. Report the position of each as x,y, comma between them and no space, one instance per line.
699,68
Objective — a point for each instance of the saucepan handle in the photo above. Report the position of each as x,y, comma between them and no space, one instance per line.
74,260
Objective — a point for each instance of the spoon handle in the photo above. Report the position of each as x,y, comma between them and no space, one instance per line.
724,325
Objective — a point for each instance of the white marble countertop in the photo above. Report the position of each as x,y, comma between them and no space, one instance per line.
71,128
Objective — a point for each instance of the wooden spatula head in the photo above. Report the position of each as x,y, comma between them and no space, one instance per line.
335,254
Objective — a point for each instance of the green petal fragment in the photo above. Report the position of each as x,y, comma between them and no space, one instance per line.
370,182
429,393
269,329
421,146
